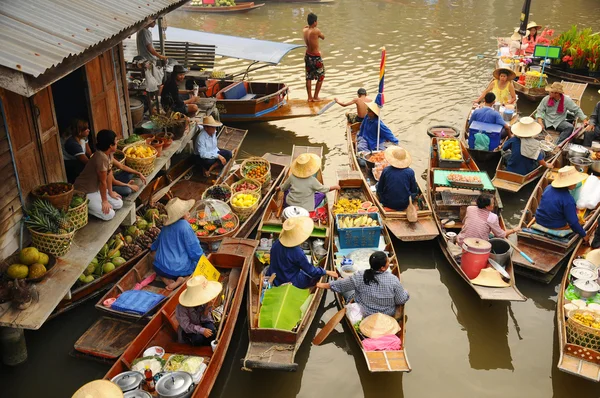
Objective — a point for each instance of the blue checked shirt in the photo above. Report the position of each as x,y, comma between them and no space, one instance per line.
382,297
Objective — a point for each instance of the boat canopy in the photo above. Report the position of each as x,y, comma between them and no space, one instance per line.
255,50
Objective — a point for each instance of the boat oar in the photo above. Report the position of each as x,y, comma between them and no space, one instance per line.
324,333
525,256
234,277
279,201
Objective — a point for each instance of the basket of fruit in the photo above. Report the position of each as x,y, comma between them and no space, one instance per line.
78,210
50,229
244,203
258,169
449,153
583,329
219,192
58,194
140,157
29,264
215,221
246,184
133,138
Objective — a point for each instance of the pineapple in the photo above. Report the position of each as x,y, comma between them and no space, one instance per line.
45,218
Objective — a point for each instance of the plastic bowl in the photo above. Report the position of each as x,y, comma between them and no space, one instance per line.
155,351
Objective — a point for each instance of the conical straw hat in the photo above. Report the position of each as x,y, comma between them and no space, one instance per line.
296,230
567,176
556,87
489,277
99,389
377,325
177,208
199,290
526,127
373,107
594,257
305,165
510,73
534,25
211,122
397,157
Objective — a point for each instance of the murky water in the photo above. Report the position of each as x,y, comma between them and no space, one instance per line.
457,344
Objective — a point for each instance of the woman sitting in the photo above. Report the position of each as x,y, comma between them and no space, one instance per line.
304,189
170,97
525,151
288,261
397,182
76,150
177,247
194,311
534,37
375,289
502,86
481,220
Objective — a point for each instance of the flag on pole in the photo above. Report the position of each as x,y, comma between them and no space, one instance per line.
380,100
524,17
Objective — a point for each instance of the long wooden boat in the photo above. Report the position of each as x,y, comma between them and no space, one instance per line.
162,329
562,74
575,359
395,221
238,8
275,349
457,202
548,253
377,361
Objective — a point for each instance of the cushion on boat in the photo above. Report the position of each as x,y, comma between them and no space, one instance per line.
136,301
237,91
559,233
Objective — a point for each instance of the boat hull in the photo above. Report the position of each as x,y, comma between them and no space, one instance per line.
238,8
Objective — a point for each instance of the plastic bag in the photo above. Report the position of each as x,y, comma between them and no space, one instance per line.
482,142
589,195
354,312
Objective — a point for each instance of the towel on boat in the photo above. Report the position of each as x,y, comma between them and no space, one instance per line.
389,342
145,282
559,233
136,301
530,148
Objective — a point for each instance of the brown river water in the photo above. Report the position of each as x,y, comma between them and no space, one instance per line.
458,345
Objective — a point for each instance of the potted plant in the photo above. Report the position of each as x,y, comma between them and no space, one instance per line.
174,122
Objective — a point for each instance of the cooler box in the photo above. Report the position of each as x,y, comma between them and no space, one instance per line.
493,131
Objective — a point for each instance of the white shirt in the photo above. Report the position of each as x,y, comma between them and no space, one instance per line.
206,145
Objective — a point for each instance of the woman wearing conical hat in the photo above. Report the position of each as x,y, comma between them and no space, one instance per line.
304,190
502,86
525,151
397,182
194,311
557,209
206,147
288,261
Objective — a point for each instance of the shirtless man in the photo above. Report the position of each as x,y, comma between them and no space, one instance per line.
361,106
312,60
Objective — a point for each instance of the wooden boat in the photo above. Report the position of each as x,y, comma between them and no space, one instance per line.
162,329
572,77
575,359
239,7
377,361
549,254
395,221
450,204
275,349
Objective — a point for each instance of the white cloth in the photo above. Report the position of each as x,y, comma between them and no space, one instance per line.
95,205
530,148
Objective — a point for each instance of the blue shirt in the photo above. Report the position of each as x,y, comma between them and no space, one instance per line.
518,163
289,264
206,145
368,130
487,115
177,249
557,208
395,186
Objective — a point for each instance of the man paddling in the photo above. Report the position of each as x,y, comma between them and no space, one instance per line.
315,70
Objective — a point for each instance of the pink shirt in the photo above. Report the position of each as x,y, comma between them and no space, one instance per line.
478,223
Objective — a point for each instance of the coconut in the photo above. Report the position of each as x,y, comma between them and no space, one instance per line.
29,255
132,230
108,267
90,269
118,261
142,224
89,278
150,214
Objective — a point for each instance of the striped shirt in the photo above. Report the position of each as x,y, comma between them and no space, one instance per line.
478,223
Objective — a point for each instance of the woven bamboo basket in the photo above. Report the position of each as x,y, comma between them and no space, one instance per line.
251,163
61,201
581,335
248,180
78,216
57,244
143,165
244,212
227,188
533,82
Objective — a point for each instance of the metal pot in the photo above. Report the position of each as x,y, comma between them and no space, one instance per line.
577,151
294,211
128,381
175,385
581,164
580,273
137,394
586,288
596,166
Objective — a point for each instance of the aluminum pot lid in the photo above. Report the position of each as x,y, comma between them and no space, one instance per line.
583,263
137,394
476,245
580,161
583,273
174,384
294,211
587,285
128,381
578,148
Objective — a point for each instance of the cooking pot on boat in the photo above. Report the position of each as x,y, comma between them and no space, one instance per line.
501,251
580,273
586,289
596,166
175,385
137,394
128,381
577,151
294,211
581,164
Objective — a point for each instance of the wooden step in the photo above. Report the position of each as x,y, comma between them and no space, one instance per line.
386,361
579,367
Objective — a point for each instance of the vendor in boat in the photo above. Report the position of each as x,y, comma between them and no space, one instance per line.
366,139
557,209
302,187
171,96
525,151
592,130
534,36
397,183
361,106
487,114
502,86
75,148
552,111
177,247
288,261
481,220
376,290
210,156
194,311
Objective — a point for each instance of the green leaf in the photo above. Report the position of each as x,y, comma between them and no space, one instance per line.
281,307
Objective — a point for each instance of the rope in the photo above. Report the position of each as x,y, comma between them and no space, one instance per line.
266,353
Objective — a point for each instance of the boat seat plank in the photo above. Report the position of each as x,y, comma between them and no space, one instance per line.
424,229
247,97
579,367
292,108
108,337
269,356
509,293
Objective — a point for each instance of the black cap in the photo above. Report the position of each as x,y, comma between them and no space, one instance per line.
362,91
179,69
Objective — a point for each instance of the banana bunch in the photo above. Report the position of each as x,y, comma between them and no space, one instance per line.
346,206
535,73
217,74
358,222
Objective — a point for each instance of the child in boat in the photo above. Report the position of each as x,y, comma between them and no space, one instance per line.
196,324
361,106
397,182
375,289
177,248
304,189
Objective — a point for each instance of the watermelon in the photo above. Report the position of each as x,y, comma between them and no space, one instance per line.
366,205
361,211
372,209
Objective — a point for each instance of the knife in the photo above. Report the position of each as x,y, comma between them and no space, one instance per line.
499,268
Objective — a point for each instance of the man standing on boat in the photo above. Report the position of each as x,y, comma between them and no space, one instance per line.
361,106
592,130
315,70
552,111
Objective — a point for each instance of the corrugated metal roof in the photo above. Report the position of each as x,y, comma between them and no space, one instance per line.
37,35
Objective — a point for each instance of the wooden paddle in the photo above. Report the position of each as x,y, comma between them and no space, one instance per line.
279,201
525,256
324,333
234,277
